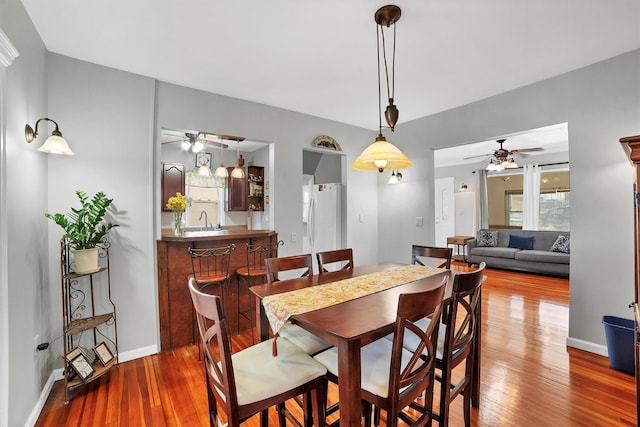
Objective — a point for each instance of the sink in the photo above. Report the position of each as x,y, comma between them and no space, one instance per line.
205,233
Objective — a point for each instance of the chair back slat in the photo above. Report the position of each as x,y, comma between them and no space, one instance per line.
441,256
342,256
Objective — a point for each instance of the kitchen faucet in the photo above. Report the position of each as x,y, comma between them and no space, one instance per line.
206,227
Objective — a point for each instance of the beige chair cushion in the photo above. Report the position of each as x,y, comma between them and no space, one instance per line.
375,362
308,342
260,375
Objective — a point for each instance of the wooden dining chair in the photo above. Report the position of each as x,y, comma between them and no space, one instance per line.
253,273
210,269
299,265
456,341
392,376
441,257
339,259
253,380
303,266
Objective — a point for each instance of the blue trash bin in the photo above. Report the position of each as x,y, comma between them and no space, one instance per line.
619,334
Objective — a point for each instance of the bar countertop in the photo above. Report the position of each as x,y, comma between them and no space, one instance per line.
198,235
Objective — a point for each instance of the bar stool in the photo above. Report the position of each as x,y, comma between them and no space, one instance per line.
210,268
252,270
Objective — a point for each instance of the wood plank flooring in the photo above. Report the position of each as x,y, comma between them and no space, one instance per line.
529,377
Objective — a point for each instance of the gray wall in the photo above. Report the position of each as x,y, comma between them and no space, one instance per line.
24,172
600,103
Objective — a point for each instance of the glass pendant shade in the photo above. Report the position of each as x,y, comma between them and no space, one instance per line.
56,145
381,155
204,170
221,172
237,172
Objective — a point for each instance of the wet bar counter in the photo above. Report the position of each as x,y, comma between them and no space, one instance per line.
174,269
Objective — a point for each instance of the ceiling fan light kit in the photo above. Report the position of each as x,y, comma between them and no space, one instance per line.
381,154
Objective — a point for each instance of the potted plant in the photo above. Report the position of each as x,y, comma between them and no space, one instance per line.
85,229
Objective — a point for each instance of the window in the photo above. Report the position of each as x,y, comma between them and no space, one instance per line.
203,199
513,204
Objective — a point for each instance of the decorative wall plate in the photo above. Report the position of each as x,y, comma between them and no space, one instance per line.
325,141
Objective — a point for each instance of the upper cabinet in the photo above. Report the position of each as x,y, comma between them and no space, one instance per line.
172,182
248,192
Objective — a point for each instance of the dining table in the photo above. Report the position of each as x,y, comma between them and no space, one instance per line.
349,322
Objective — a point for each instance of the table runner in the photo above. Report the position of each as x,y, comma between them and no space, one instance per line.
279,307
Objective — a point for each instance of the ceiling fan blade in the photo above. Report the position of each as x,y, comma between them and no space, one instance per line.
526,150
520,154
174,141
475,157
215,143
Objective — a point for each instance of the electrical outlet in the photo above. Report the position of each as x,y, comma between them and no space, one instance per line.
294,237
419,221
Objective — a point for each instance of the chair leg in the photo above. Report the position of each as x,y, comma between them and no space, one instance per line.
445,390
264,418
467,407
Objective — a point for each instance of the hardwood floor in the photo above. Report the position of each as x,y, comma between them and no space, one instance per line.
529,377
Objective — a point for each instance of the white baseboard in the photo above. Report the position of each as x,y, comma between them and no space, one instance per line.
44,394
588,346
57,374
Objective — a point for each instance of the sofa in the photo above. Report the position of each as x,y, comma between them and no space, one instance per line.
542,252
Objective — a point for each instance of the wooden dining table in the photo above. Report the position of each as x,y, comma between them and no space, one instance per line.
348,325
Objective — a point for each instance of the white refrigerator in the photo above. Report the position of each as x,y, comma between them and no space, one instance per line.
322,218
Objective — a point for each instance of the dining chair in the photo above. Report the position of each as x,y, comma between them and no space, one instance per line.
441,257
210,268
456,341
392,376
253,273
339,259
251,381
299,265
302,265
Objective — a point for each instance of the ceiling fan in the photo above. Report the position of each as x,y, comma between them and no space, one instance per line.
502,154
196,141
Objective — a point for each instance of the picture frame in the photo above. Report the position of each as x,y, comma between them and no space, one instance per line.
82,367
73,354
203,159
103,353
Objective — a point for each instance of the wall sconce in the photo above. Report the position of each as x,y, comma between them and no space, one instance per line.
463,187
395,177
55,144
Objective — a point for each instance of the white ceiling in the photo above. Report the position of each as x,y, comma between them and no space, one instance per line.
552,139
319,56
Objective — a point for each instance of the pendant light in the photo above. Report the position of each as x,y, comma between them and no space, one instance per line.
238,171
221,172
381,154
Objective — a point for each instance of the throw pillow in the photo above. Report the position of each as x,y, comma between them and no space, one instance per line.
561,244
520,242
487,238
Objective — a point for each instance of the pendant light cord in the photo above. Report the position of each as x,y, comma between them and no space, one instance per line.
378,30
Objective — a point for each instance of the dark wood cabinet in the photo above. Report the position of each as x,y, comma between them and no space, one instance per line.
632,148
246,192
255,181
236,192
172,182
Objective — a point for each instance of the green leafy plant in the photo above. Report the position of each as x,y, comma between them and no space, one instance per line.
85,227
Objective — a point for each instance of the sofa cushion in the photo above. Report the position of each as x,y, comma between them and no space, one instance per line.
543,256
495,252
561,244
521,242
488,239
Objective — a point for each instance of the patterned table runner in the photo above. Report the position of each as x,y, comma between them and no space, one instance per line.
279,307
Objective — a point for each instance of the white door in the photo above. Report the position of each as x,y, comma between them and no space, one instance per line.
445,211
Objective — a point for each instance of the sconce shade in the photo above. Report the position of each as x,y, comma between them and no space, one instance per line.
395,178
381,155
55,144
463,187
